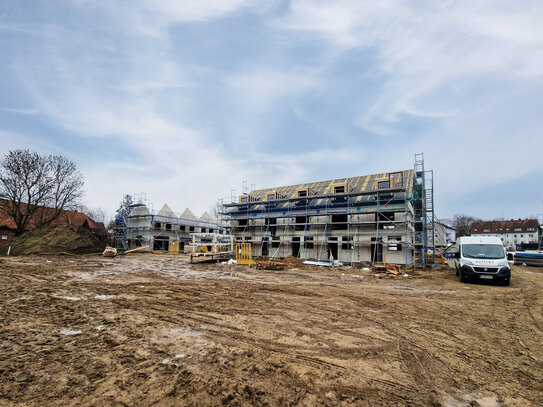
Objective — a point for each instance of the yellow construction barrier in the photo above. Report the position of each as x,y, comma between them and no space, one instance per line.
174,247
244,254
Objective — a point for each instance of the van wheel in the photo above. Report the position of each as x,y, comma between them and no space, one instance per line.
463,278
507,282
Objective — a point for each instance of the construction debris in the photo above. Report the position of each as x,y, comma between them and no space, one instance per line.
109,252
392,269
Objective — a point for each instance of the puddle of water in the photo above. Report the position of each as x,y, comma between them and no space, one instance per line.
24,297
187,332
472,398
83,276
106,273
400,287
65,297
71,332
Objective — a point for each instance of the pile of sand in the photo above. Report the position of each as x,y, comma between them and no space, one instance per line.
293,262
55,240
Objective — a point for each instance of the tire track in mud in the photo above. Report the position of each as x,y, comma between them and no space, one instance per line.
530,339
316,363
420,366
530,312
321,342
231,335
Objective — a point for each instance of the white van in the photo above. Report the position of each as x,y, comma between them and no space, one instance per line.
479,258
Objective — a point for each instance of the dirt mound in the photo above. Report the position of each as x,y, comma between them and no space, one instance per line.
293,262
55,240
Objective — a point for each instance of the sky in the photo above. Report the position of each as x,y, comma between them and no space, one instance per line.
185,100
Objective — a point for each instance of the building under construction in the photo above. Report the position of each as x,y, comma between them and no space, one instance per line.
380,218
137,225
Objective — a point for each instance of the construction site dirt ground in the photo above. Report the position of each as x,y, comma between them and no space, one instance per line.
155,330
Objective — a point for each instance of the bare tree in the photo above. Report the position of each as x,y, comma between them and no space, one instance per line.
97,214
462,224
36,189
217,209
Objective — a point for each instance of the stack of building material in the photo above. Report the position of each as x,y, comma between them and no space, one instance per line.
392,269
137,249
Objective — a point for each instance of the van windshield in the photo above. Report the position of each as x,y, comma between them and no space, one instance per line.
483,251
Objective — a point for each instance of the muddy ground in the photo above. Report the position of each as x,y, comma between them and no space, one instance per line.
155,330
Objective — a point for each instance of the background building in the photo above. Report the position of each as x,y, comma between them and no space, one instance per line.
7,225
136,225
444,235
512,232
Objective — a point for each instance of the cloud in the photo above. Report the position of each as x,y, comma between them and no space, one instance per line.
18,111
262,86
454,77
185,99
426,47
202,10
124,110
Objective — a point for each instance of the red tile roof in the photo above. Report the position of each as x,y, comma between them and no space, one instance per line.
67,217
505,226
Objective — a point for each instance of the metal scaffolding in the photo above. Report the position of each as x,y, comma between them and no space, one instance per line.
303,216
424,214
137,225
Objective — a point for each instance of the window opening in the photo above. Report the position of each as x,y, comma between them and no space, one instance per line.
347,243
394,246
383,184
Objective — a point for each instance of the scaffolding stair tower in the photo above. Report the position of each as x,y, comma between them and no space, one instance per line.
121,224
424,215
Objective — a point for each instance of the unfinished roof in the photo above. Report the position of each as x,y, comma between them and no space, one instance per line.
320,192
188,215
166,214
139,210
206,217
354,184
165,211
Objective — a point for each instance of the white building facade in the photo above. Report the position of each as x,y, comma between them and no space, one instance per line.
137,226
512,232
444,235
